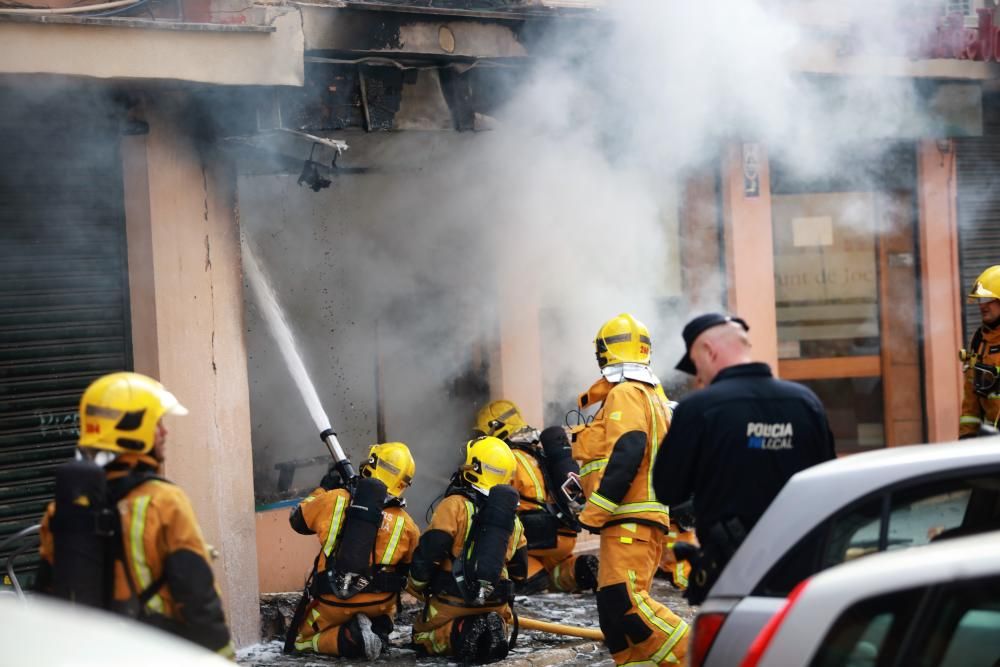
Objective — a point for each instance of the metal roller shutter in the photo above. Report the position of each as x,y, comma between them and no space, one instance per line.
978,167
64,316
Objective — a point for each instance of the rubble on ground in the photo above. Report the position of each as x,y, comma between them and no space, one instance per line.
534,649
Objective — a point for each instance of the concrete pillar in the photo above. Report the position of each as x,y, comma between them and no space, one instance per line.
749,245
942,299
186,287
520,351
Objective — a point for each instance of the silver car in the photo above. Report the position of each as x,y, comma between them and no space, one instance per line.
839,511
892,609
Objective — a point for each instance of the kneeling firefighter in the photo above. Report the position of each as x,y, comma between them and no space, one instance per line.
545,479
471,551
617,449
120,537
368,540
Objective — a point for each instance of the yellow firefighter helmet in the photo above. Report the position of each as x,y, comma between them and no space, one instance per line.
987,285
119,412
623,339
392,463
488,462
500,419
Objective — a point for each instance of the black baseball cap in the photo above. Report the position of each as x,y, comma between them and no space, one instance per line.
697,327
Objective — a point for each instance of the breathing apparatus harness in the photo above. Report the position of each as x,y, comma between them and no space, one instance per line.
985,378
552,450
88,538
476,575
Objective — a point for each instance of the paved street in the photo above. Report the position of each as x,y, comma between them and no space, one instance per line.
534,649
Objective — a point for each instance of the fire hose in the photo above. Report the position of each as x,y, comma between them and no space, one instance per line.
560,629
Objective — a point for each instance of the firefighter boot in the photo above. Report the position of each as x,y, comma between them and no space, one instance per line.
479,639
357,639
585,573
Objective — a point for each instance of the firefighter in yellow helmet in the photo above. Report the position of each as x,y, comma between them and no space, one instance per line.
981,362
113,513
544,464
469,555
617,450
348,606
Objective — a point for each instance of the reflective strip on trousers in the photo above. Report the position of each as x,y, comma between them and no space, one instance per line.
390,550
593,466
338,518
965,419
674,634
539,489
138,549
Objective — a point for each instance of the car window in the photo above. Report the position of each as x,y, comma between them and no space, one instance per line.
853,534
916,516
964,628
870,633
923,512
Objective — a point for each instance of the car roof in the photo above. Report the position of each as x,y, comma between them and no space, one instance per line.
830,593
812,495
46,632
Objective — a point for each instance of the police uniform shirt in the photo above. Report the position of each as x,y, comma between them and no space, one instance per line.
734,444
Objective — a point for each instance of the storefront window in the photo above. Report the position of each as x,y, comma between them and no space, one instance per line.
826,274
854,408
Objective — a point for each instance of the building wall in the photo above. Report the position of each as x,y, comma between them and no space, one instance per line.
186,291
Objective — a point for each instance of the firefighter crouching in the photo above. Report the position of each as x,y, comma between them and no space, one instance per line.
616,451
470,551
981,362
544,466
368,540
120,537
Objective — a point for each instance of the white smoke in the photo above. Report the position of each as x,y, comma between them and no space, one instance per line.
565,213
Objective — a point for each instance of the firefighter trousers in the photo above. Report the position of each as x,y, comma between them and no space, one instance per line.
432,629
321,625
637,628
558,562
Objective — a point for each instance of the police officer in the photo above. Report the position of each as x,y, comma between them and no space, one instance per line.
981,362
733,444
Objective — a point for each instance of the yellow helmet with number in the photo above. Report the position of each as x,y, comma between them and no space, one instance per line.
987,285
500,419
392,464
488,462
623,339
119,412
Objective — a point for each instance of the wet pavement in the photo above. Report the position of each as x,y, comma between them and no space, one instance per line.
534,649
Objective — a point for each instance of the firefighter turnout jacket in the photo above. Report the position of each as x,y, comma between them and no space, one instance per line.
616,453
441,545
617,450
165,556
323,512
981,383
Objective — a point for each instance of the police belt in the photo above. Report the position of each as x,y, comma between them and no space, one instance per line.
443,583
382,581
